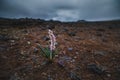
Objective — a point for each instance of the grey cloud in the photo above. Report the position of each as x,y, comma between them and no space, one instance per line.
64,10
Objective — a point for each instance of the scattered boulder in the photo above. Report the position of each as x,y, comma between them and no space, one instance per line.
3,48
46,38
110,27
98,34
25,68
117,73
50,27
66,58
73,76
100,29
34,59
102,53
49,77
61,63
71,34
4,38
15,77
96,69
35,50
66,30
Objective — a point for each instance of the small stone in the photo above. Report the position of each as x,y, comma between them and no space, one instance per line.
108,75
71,34
49,77
96,69
78,38
44,63
14,77
29,42
35,50
66,58
44,74
76,52
75,57
24,31
61,63
34,59
118,69
73,60
73,76
4,57
98,34
56,43
16,38
4,38
50,27
38,45
56,55
12,41
46,38
70,49
22,52
2,48
65,29
102,53
77,68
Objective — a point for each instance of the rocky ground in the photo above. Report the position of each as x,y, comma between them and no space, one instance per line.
85,50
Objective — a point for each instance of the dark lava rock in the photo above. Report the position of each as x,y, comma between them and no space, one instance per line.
71,34
102,30
4,75
49,77
35,50
2,48
102,53
73,76
66,58
110,27
4,38
50,27
25,68
96,69
117,73
99,34
118,70
46,38
14,77
34,59
104,40
66,30
70,49
45,63
61,63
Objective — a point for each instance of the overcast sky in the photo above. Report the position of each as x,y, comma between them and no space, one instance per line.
63,10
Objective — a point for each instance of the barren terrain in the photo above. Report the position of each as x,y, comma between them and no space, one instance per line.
86,50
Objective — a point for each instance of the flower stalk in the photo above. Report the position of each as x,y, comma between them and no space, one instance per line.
52,42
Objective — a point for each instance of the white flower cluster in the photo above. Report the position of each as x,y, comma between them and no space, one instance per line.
52,40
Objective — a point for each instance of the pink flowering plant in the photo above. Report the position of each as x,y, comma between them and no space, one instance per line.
51,50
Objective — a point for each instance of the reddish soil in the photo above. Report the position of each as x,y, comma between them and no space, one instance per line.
79,44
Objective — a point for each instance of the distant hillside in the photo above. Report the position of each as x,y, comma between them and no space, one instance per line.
24,22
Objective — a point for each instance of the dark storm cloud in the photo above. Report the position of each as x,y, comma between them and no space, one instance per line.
64,10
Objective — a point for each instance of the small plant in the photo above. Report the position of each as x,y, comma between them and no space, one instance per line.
50,51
